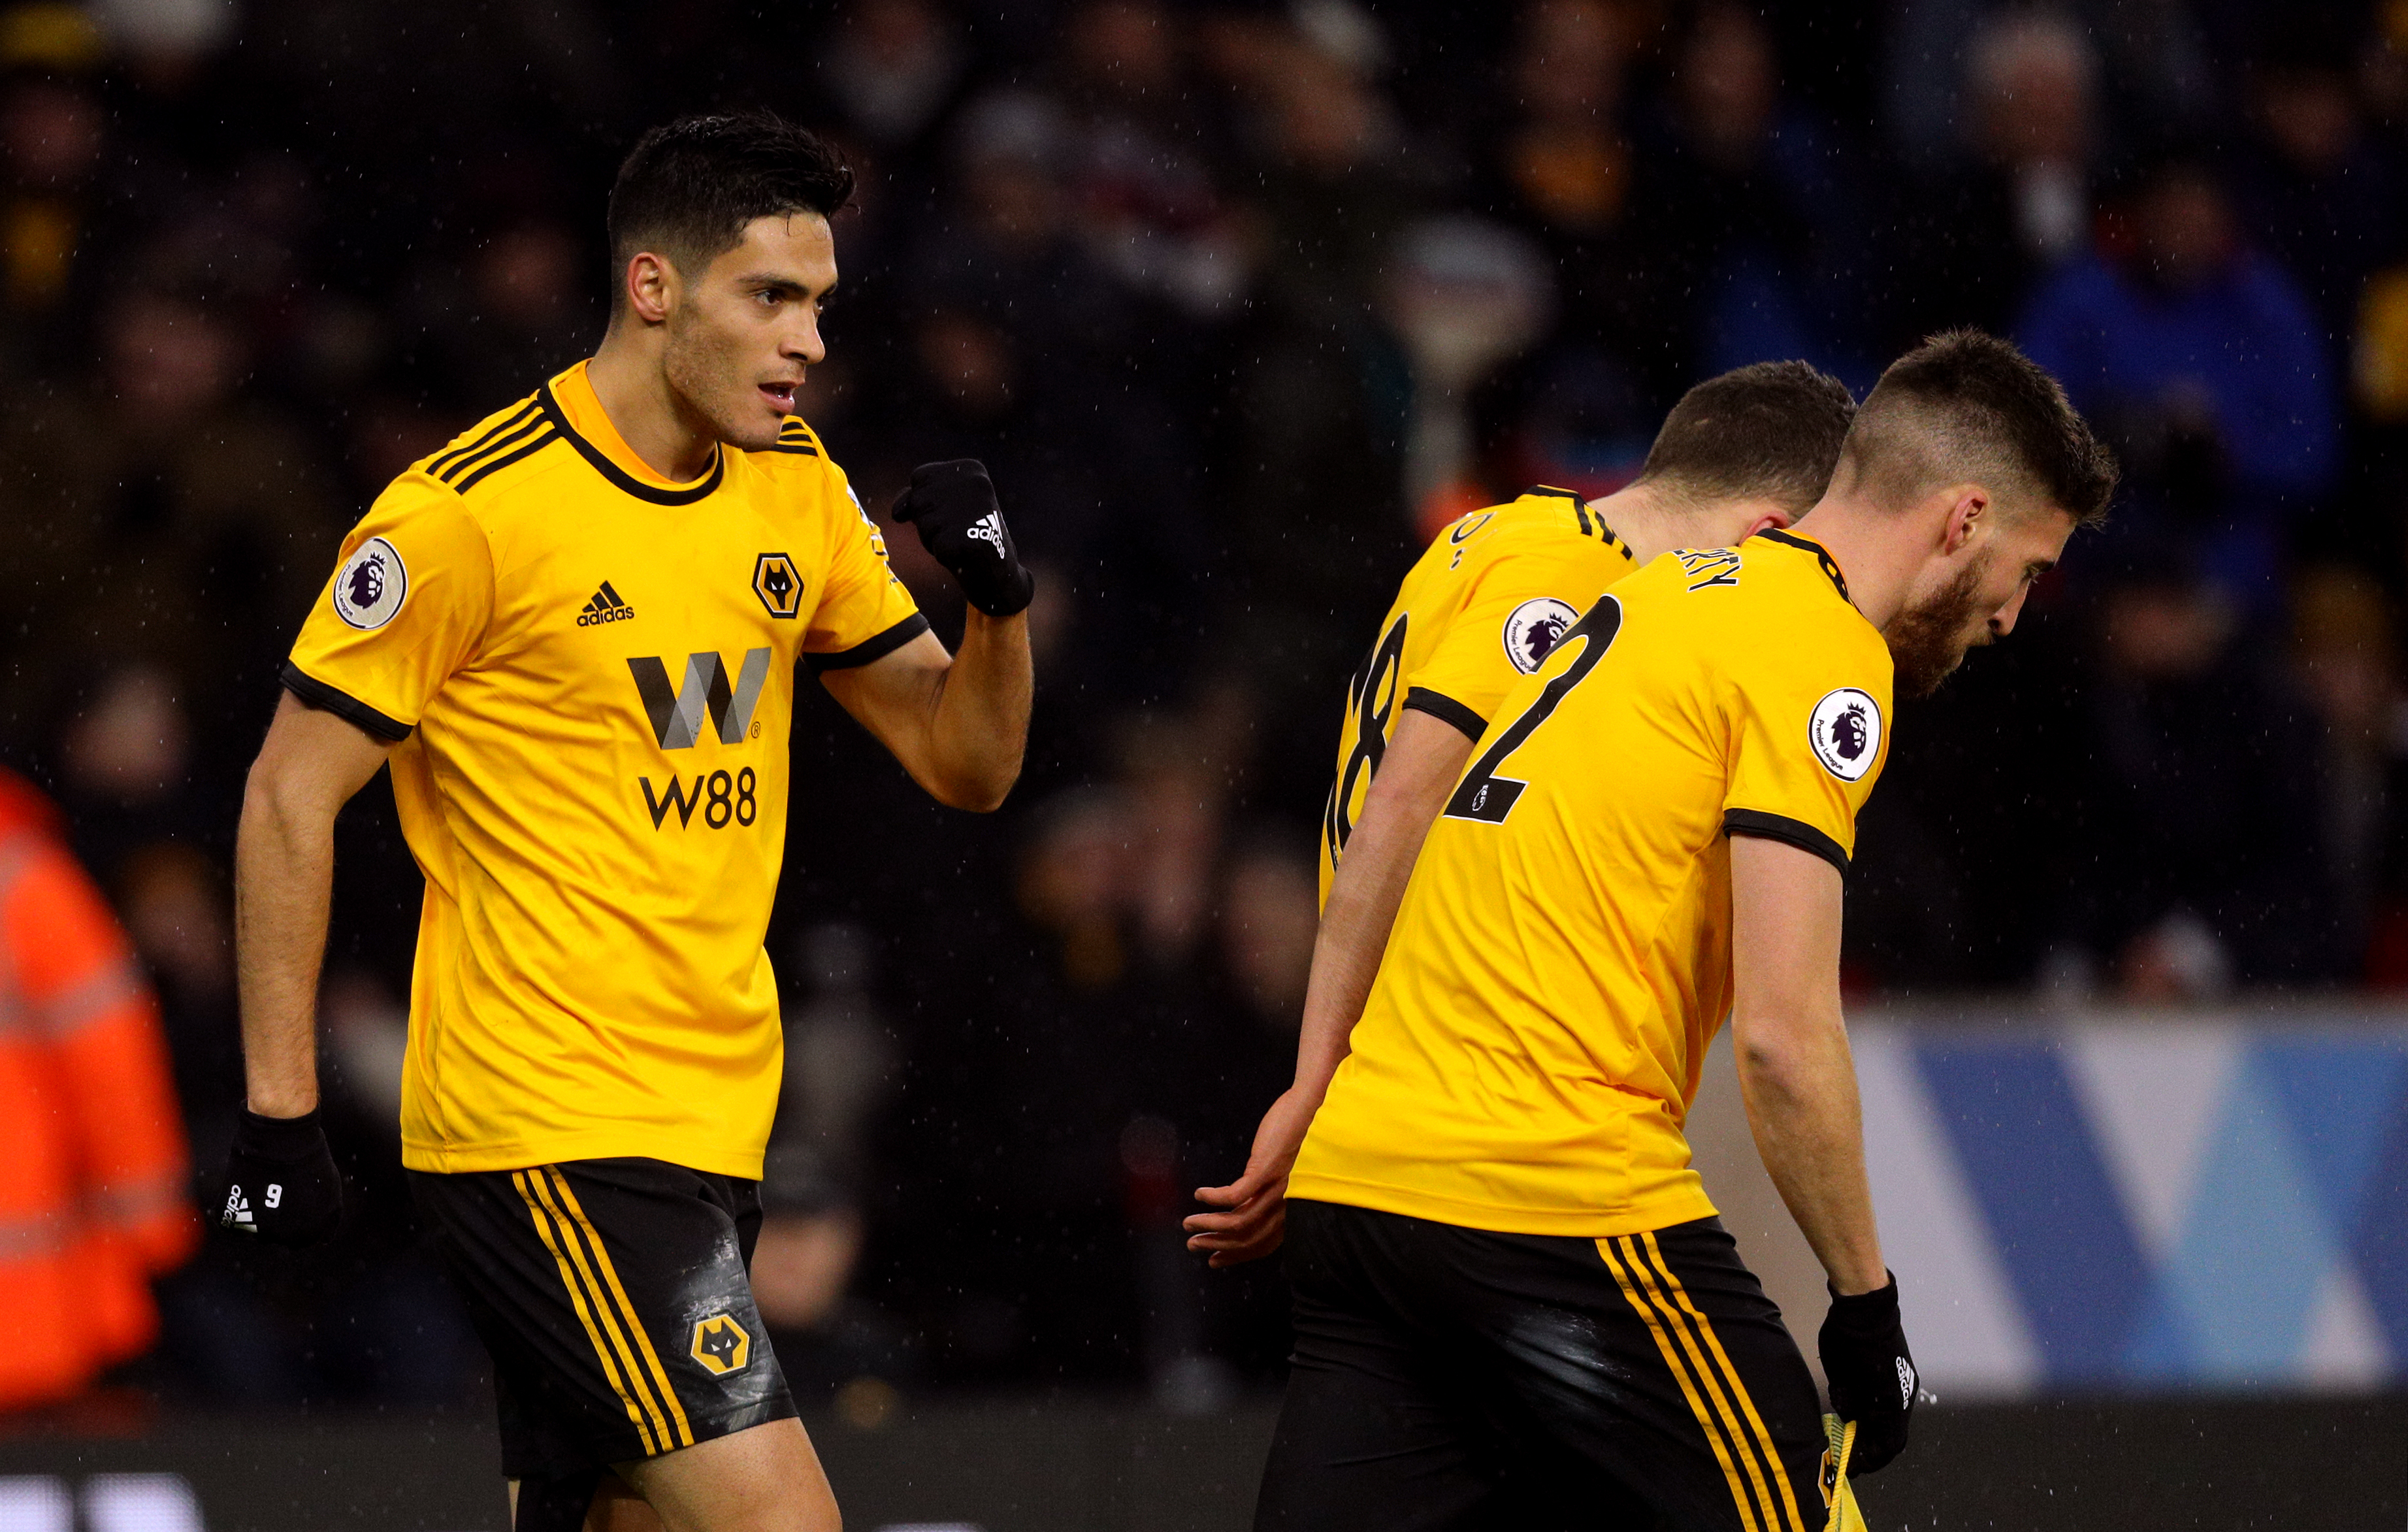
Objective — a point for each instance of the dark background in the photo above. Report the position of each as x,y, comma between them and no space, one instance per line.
1239,303
2297,1465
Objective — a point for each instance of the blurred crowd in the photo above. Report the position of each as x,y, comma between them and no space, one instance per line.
1240,301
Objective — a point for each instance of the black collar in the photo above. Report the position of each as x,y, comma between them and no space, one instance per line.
621,477
1822,556
1589,524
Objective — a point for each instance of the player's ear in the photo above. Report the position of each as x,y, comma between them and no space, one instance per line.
650,281
1969,511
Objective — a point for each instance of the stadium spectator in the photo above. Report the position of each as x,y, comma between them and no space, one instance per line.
2346,659
2203,359
1566,169
1139,162
2161,80
2031,83
174,901
129,774
92,1168
1463,297
890,69
842,1066
53,142
168,515
1762,208
518,308
1309,498
2198,874
2316,185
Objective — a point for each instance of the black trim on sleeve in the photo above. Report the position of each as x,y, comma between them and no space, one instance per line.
351,709
869,649
1792,832
1446,711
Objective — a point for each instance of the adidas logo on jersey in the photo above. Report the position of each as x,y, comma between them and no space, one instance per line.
988,529
238,1212
606,606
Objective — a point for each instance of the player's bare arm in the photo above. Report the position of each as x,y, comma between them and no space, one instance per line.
281,1180
1796,1075
1420,765
958,723
311,764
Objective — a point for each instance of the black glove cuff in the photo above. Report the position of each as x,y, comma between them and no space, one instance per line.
287,1138
1867,1316
1012,602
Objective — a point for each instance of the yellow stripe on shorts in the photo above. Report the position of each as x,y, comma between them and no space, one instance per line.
643,1338
1730,1375
555,1242
1672,1359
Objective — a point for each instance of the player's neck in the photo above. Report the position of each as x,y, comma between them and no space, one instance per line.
1871,546
634,391
1639,516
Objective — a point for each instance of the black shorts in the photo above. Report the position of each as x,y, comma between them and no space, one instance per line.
615,1298
1452,1379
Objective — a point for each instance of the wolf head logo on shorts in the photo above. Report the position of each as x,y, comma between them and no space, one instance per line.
1845,732
721,1344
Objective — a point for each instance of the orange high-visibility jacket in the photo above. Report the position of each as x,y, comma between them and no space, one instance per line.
93,1194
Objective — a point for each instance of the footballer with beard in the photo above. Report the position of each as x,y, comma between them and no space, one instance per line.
1513,1303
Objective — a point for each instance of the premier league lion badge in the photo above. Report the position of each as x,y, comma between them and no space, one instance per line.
1845,732
1532,629
370,585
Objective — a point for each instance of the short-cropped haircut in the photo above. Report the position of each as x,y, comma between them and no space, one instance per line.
1966,407
1767,432
688,188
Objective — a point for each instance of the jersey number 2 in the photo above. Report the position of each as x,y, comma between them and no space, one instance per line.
1484,795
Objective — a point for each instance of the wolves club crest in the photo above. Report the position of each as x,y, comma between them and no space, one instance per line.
721,1344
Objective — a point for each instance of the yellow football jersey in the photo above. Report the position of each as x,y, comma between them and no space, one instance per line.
1477,613
1527,1055
590,670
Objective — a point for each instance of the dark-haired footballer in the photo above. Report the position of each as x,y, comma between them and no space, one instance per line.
575,634
1739,453
1514,1302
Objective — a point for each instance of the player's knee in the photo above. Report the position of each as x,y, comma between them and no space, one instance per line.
765,1478
617,1508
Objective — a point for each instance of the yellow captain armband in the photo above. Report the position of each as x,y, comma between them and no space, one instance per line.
1838,1498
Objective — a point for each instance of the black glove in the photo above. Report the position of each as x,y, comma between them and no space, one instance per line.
961,525
1872,1375
281,1184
